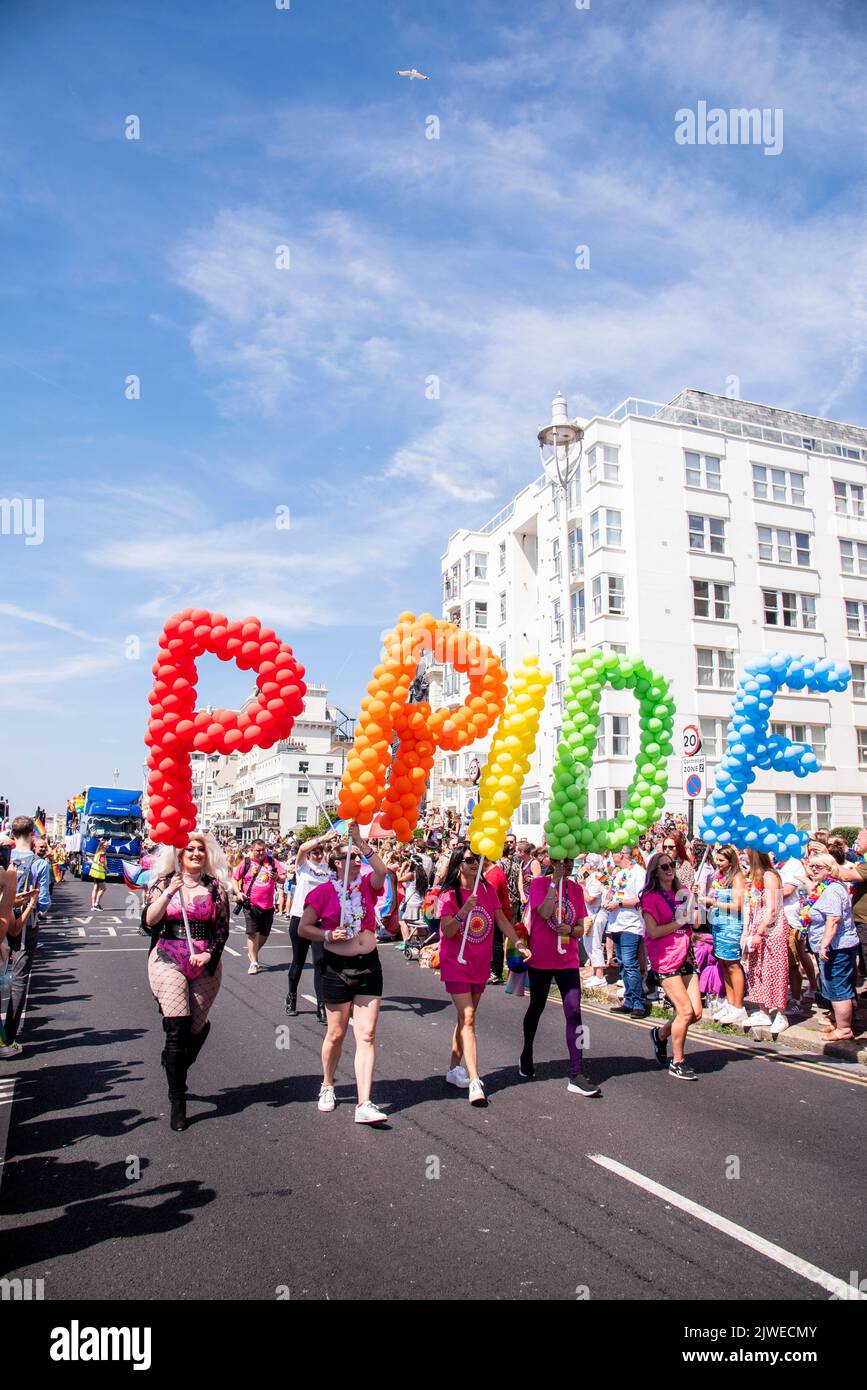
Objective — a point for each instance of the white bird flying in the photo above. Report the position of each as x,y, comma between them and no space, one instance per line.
412,73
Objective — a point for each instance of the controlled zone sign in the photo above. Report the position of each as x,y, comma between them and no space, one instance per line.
694,778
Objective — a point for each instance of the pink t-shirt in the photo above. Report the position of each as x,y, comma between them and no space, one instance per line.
543,935
325,900
666,953
480,938
258,883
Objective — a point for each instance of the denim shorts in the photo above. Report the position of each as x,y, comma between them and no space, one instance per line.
837,973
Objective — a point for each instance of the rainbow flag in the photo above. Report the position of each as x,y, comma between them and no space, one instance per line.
39,827
58,872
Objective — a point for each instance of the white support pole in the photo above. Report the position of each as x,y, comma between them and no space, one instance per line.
461,958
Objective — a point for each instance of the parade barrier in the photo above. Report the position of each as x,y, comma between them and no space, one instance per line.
176,727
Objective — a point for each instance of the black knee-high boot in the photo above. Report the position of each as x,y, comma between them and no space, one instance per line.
196,1043
175,1055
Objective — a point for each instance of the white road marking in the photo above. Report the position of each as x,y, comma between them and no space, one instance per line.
311,999
231,952
831,1282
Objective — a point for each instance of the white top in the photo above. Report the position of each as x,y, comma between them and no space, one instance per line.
307,878
629,918
792,872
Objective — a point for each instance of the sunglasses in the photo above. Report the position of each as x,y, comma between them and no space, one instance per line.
672,849
341,858
666,864
470,859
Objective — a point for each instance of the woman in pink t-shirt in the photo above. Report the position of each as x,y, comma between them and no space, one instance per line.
669,949
557,915
351,969
471,912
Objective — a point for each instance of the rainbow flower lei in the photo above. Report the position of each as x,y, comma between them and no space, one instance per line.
809,897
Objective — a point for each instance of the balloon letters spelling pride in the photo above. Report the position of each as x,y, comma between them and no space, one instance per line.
372,781
750,746
176,727
567,828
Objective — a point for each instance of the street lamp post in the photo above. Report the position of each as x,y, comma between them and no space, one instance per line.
565,441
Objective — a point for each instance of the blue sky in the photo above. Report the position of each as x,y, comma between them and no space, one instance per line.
305,387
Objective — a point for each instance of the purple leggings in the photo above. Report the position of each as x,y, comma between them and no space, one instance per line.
569,985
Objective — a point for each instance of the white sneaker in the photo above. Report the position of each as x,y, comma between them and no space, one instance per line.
255,967
621,988
734,1015
369,1114
593,982
13,1049
457,1076
780,1024
477,1093
758,1020
327,1101
724,1008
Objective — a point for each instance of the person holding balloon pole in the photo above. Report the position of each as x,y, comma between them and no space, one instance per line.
557,916
341,914
469,912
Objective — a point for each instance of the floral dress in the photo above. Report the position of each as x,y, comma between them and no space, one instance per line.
768,974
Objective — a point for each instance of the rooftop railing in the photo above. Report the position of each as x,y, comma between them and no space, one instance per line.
728,424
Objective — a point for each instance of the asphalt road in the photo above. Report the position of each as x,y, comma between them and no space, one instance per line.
263,1197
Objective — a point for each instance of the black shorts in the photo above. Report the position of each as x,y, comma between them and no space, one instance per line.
258,920
345,977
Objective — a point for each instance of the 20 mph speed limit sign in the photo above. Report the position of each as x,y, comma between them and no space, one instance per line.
691,740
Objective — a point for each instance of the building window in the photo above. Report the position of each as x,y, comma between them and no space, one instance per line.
619,736
778,485
575,490
303,789
608,596
715,668
502,557
304,767
711,600
503,655
789,610
702,470
862,747
301,815
848,499
853,557
603,462
856,618
783,547
815,735
329,767
555,558
607,522
557,622
602,805
859,680
558,682
576,550
502,608
713,738
707,533
576,614
475,565
809,812
481,618
600,736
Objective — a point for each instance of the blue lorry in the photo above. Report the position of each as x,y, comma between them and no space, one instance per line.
112,814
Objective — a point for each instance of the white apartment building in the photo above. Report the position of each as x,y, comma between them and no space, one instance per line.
700,533
267,791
